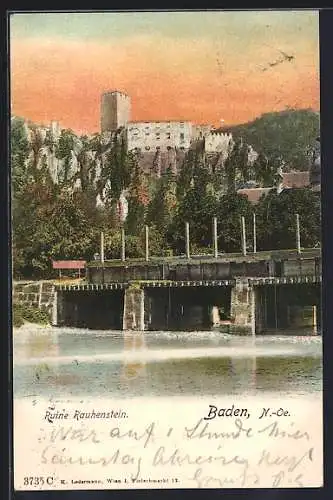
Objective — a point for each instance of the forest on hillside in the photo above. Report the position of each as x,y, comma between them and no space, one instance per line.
61,220
286,136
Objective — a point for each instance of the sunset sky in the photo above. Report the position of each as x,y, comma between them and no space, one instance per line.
198,66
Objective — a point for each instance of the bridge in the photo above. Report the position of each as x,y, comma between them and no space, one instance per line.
235,293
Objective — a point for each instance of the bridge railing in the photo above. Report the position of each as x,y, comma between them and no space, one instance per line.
201,258
215,251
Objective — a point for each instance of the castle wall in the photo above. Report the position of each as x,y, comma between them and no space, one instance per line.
160,144
200,131
151,136
218,143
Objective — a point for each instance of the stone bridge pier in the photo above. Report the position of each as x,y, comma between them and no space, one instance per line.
134,309
243,308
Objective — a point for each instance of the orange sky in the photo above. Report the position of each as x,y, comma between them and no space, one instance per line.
202,67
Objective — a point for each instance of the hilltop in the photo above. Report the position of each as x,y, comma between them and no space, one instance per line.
288,134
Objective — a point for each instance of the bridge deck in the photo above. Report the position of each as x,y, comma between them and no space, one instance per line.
286,280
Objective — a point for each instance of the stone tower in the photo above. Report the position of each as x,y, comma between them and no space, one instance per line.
115,110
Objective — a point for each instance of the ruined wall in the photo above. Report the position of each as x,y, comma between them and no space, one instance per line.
148,136
218,143
199,131
39,294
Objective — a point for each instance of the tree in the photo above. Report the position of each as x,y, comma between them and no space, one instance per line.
19,156
285,135
32,228
276,219
65,152
194,170
118,166
242,161
230,166
137,202
185,176
197,208
230,210
36,145
265,170
163,204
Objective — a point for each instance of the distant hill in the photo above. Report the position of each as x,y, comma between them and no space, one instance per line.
289,134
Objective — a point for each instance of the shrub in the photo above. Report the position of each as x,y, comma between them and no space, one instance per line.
22,313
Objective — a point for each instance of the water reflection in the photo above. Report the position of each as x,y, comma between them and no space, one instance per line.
126,364
132,368
36,344
39,348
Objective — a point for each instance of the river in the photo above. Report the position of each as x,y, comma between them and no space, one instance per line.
86,363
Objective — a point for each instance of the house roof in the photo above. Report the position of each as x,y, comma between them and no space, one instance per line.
295,179
254,194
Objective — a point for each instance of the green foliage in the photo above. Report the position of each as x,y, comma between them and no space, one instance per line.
19,155
118,166
197,203
48,226
66,143
286,136
197,208
264,170
276,215
193,166
134,244
137,201
56,221
22,313
230,210
163,204
64,151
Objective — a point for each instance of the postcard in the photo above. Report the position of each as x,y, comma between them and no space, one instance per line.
166,249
